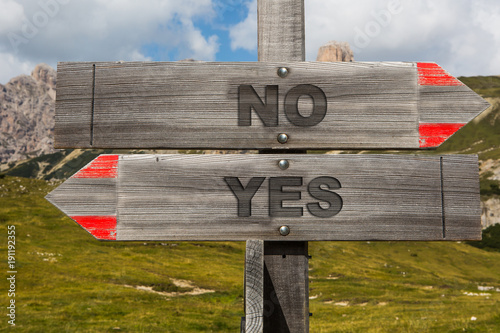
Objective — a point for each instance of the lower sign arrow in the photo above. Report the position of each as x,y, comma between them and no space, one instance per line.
240,197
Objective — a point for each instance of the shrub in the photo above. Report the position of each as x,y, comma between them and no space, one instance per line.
491,239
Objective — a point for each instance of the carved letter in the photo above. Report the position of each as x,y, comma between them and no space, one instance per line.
244,195
325,195
277,196
248,100
292,107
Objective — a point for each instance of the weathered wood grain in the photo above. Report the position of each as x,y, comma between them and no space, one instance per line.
384,197
80,197
254,286
74,102
286,287
435,106
460,197
196,105
281,30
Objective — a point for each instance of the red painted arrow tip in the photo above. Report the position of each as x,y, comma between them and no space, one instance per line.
101,227
104,166
431,74
432,135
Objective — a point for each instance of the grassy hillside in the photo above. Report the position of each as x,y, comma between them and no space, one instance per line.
69,282
486,86
60,165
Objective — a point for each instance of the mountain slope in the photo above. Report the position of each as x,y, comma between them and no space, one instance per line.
60,165
69,282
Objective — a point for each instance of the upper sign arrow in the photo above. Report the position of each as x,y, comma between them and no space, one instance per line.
248,105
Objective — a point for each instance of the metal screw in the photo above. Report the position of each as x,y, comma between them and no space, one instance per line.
283,164
282,138
284,230
283,72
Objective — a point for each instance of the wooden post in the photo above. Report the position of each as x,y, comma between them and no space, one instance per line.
254,287
281,30
284,287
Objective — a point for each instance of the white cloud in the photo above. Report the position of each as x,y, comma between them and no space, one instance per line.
244,34
192,44
461,35
11,67
34,31
11,14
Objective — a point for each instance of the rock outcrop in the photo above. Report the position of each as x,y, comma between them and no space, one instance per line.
490,206
490,212
335,51
27,109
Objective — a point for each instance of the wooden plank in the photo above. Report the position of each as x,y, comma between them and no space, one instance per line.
434,106
254,286
286,291
235,197
91,196
461,197
281,30
75,83
214,106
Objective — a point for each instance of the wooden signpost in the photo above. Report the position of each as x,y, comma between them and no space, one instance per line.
276,202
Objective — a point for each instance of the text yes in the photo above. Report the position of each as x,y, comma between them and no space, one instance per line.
319,188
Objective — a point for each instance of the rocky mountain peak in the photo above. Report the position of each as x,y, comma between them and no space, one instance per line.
335,51
27,109
45,74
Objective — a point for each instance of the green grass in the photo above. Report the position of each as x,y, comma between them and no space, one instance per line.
69,282
487,86
403,287
32,168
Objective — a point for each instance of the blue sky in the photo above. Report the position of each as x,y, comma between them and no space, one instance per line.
463,36
226,15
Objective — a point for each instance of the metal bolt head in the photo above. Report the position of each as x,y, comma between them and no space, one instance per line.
283,72
282,138
284,230
283,164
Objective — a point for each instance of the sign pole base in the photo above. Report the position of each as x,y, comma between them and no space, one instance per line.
276,287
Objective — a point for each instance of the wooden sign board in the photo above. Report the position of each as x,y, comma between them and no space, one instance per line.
188,105
240,197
